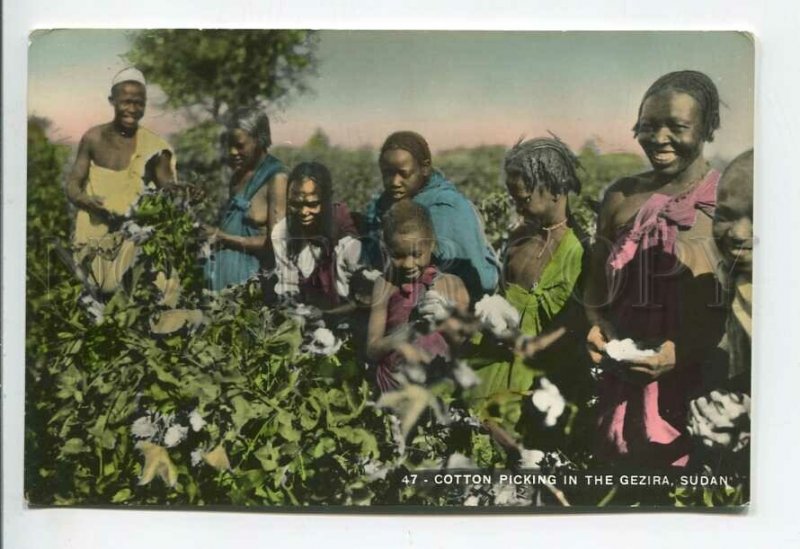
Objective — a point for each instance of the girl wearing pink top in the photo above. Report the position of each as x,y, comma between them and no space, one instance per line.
410,282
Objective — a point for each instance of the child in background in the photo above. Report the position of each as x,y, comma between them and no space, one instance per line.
412,281
721,419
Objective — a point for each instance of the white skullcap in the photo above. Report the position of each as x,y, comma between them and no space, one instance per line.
129,74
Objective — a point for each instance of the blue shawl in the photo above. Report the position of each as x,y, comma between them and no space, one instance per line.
461,245
228,266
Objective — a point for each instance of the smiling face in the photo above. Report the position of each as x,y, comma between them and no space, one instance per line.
670,131
402,175
129,100
305,203
410,251
243,150
733,219
530,205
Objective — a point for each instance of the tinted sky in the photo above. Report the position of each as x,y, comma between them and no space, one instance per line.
456,88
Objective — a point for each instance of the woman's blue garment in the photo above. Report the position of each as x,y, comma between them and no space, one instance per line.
461,245
227,266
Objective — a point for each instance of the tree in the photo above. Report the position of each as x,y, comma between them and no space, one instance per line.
222,69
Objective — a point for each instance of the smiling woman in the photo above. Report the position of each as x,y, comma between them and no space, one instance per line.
660,281
316,250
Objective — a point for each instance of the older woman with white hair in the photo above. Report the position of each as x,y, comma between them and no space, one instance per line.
257,200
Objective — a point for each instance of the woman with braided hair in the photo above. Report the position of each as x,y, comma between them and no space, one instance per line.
540,276
652,277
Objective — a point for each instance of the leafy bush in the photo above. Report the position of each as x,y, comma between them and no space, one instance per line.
232,404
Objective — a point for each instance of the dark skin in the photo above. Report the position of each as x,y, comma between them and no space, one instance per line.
111,146
403,176
671,134
268,205
529,249
410,253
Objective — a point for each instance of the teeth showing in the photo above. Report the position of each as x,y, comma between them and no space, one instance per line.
664,156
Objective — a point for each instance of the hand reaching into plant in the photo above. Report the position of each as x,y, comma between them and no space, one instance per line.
596,341
528,346
721,420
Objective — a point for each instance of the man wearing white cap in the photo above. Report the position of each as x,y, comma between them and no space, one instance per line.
108,177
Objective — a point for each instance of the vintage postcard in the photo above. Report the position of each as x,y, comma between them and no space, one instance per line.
401,269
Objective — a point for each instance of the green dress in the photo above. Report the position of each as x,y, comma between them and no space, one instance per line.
505,380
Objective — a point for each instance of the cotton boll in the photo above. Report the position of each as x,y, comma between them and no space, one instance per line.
175,435
434,307
464,375
197,456
459,461
196,420
548,400
323,342
497,314
530,459
144,428
626,350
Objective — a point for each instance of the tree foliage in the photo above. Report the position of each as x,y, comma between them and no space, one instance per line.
221,69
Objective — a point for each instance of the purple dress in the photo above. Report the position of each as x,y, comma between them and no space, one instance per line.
398,311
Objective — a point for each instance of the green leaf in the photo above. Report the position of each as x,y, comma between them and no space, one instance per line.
74,446
268,456
123,495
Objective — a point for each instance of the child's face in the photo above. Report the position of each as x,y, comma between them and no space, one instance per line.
129,100
403,177
305,203
409,253
243,150
733,221
670,131
529,204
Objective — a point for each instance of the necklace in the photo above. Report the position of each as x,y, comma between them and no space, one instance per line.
549,230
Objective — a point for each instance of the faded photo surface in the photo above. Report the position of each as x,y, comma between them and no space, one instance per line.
406,269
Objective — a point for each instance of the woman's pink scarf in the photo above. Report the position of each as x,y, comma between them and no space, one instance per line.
631,425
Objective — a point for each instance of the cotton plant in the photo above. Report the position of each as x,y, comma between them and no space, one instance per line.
158,428
155,433
548,400
196,420
136,233
95,308
322,342
169,288
721,420
464,376
497,315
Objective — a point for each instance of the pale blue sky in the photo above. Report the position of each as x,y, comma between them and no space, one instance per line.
456,88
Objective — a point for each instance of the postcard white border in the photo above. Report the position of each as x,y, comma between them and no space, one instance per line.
776,24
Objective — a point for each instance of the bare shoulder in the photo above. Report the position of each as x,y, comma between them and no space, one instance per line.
519,232
624,189
446,280
628,185
381,290
94,135
450,286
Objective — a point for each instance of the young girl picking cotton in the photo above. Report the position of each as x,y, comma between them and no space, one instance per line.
410,283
